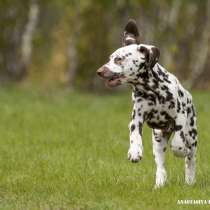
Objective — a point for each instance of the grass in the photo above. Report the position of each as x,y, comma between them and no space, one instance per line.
61,150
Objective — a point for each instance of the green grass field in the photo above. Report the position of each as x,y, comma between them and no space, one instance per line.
62,150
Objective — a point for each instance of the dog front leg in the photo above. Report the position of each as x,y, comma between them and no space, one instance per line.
135,151
160,140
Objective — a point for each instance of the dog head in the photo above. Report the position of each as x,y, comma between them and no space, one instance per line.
127,63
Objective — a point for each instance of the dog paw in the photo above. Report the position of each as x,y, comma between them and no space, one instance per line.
134,154
190,180
161,178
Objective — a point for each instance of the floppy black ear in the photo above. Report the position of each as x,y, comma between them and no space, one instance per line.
152,55
131,33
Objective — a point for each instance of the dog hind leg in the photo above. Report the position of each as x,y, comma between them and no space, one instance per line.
190,160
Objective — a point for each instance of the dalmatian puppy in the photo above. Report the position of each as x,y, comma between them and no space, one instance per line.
158,100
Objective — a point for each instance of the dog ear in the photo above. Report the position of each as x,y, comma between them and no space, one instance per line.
131,34
152,55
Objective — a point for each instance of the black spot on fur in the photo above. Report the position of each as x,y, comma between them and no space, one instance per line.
169,95
159,125
193,133
155,84
161,99
172,105
143,75
155,111
194,144
193,110
144,95
133,127
177,127
139,99
164,149
188,110
182,136
178,106
157,78
138,94
180,93
164,87
166,115
166,79
188,101
150,115
139,112
160,72
140,128
192,121
158,140
163,74
145,115
134,114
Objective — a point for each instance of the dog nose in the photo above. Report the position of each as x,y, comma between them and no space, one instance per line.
100,71
104,72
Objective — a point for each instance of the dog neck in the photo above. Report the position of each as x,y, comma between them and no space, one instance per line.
147,80
155,82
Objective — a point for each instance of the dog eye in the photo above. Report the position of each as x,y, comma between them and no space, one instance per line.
118,60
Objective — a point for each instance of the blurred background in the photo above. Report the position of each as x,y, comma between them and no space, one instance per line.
63,134
63,42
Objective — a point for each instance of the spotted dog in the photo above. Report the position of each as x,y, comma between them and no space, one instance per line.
158,99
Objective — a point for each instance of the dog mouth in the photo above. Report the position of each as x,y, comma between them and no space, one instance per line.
114,80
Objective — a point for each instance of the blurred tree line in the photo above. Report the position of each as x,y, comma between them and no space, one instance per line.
64,41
